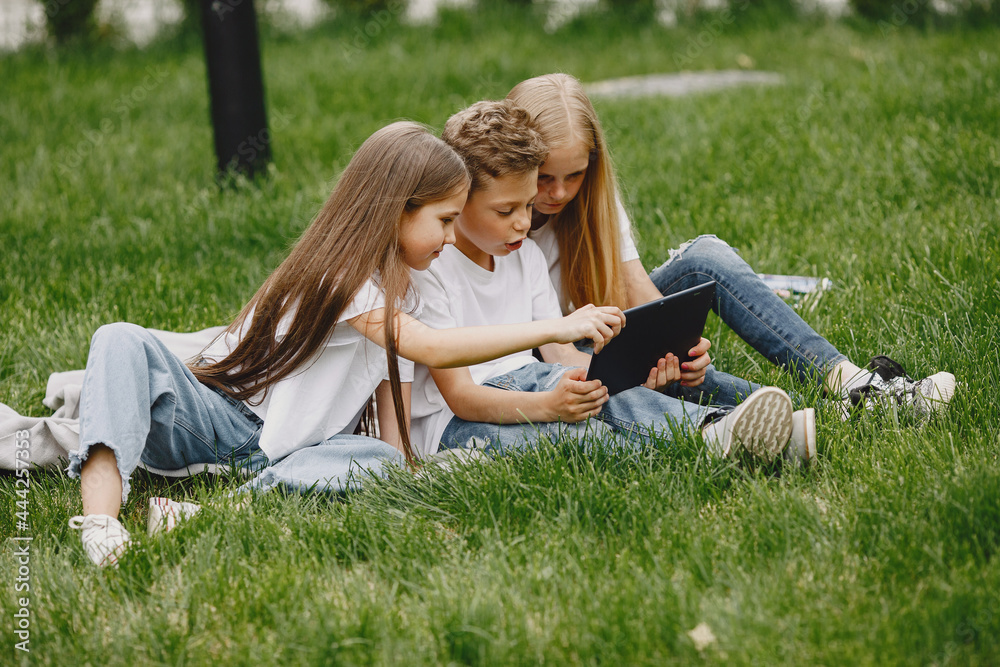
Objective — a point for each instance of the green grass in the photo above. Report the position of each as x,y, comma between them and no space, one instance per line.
875,164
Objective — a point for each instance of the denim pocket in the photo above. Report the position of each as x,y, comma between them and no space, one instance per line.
239,405
247,449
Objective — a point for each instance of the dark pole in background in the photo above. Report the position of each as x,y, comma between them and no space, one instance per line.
236,86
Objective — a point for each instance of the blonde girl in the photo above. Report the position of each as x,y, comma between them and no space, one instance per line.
583,229
296,368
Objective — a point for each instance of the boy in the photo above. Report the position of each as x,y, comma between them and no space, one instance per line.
494,274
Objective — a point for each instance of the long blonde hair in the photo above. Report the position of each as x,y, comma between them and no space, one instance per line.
587,229
354,238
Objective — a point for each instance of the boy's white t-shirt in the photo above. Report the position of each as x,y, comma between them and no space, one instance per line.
545,237
326,397
457,292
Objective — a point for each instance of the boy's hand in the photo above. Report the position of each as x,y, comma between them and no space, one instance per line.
574,398
666,371
598,323
693,372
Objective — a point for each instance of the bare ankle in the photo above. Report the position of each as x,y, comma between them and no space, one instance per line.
100,482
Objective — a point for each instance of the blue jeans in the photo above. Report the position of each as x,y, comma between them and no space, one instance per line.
141,401
749,307
336,465
637,415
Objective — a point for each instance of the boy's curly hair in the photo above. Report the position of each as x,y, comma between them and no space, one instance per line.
495,139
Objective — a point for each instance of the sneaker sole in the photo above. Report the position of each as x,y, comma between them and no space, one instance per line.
764,424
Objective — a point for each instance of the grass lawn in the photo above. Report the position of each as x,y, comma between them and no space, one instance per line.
876,164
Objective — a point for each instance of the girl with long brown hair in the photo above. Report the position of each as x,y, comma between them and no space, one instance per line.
585,233
333,324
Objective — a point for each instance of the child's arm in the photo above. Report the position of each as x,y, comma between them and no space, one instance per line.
572,400
388,429
639,289
467,346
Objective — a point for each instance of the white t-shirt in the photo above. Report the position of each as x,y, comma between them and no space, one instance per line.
457,292
327,396
545,237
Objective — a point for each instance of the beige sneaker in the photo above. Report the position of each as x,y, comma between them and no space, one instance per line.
164,514
761,424
104,538
801,449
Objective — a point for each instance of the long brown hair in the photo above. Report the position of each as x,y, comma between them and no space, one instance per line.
354,238
587,229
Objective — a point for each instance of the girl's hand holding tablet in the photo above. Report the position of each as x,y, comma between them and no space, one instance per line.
666,371
693,372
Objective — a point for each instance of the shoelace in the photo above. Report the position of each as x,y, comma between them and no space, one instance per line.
109,524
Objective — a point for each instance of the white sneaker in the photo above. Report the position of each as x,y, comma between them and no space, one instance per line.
888,382
165,513
801,449
104,538
761,424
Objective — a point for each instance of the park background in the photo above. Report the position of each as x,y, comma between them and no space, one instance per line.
875,163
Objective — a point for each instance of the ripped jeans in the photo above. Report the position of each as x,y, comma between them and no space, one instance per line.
141,401
749,307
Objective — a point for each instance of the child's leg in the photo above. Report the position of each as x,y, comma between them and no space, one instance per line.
762,423
642,414
140,402
507,438
336,465
754,312
504,438
771,327
100,483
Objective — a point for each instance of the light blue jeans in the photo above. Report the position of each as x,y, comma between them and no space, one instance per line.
749,307
144,404
637,416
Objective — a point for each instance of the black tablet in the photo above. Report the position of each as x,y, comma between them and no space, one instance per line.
671,324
